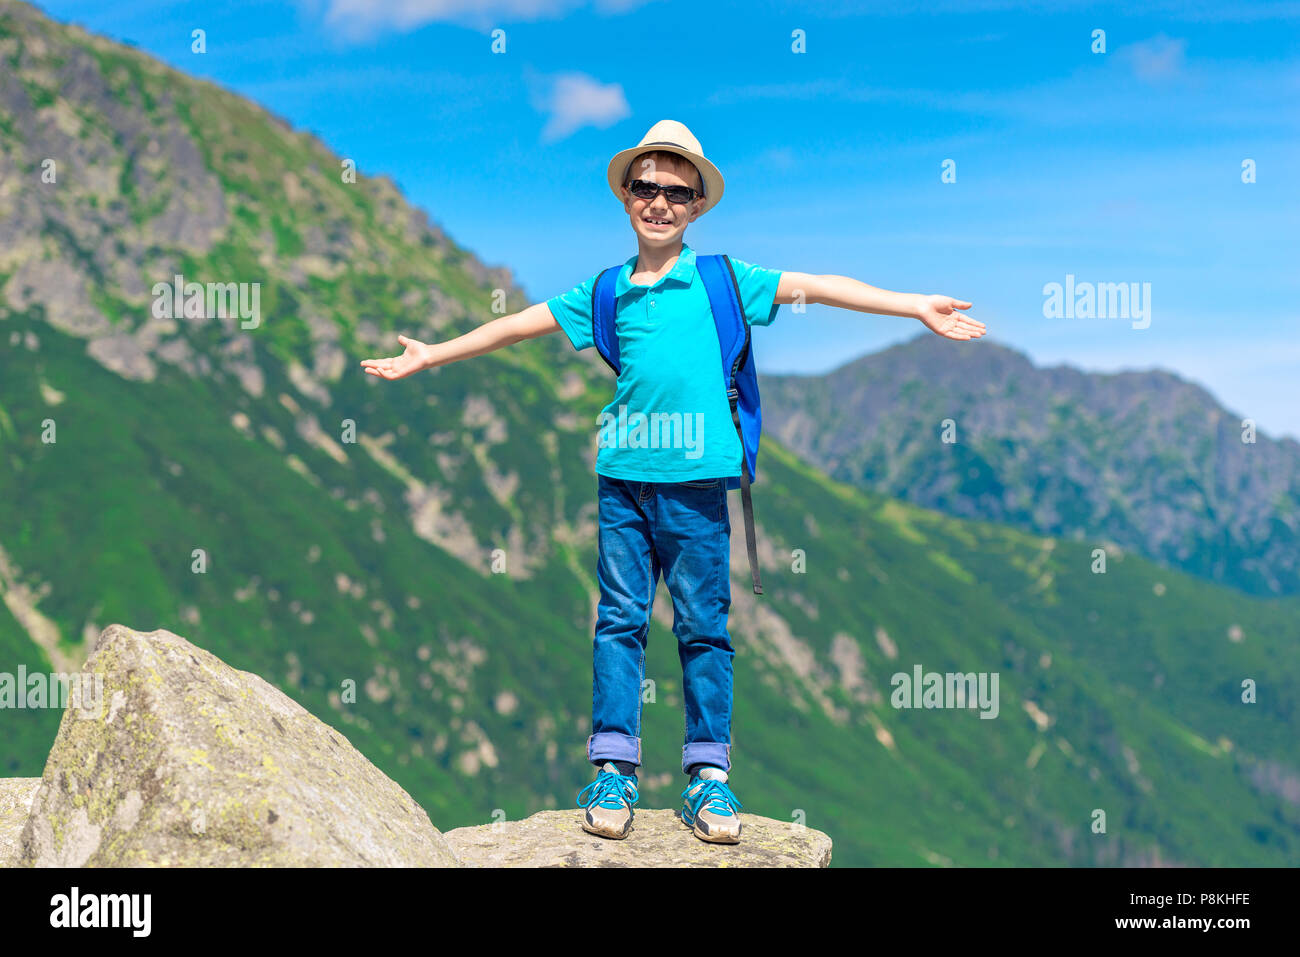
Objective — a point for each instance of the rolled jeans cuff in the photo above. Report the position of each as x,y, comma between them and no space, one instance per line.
707,752
612,746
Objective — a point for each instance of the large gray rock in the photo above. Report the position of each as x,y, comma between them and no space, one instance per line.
190,762
658,839
16,796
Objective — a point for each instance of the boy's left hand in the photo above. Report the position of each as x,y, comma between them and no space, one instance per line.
940,315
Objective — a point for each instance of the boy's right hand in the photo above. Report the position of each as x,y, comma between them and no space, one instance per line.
414,359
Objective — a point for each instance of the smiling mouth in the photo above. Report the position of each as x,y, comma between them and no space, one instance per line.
655,221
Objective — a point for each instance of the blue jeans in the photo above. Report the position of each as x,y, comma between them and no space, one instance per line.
682,530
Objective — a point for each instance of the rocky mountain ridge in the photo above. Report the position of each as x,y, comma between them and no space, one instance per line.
1146,460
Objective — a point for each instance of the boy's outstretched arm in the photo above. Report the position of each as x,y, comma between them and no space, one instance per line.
528,323
938,313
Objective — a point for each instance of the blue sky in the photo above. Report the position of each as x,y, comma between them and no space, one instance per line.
1122,166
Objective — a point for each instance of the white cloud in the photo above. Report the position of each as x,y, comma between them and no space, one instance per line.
574,100
1160,58
360,18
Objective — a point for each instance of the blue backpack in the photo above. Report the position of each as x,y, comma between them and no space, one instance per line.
738,375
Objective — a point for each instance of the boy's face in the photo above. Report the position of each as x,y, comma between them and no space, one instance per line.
658,222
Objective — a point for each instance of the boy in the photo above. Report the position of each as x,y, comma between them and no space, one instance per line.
663,506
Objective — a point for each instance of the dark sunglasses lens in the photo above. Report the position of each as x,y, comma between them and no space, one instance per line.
643,189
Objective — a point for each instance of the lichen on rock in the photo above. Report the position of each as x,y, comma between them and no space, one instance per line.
16,796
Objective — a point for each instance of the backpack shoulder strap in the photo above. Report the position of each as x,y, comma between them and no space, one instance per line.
604,303
742,389
724,300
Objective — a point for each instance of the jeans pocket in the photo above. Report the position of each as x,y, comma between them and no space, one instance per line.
705,483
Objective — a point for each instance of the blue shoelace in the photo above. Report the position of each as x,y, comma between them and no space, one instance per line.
609,790
712,796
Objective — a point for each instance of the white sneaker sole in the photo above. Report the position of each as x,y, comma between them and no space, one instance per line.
604,832
720,837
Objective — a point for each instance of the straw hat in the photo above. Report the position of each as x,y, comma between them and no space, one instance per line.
672,137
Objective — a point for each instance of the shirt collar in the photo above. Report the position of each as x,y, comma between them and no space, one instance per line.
683,272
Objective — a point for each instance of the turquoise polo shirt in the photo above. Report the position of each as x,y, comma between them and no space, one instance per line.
669,420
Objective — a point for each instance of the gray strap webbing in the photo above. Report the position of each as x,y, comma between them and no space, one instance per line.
746,503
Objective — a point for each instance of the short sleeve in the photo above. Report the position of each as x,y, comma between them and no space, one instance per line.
573,312
757,292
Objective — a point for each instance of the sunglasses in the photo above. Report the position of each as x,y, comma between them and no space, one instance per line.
644,189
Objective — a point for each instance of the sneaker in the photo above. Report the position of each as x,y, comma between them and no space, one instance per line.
710,809
608,801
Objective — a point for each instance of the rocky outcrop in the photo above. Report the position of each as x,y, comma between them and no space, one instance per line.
658,839
187,761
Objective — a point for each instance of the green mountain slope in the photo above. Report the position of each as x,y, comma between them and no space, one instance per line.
1145,458
334,565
